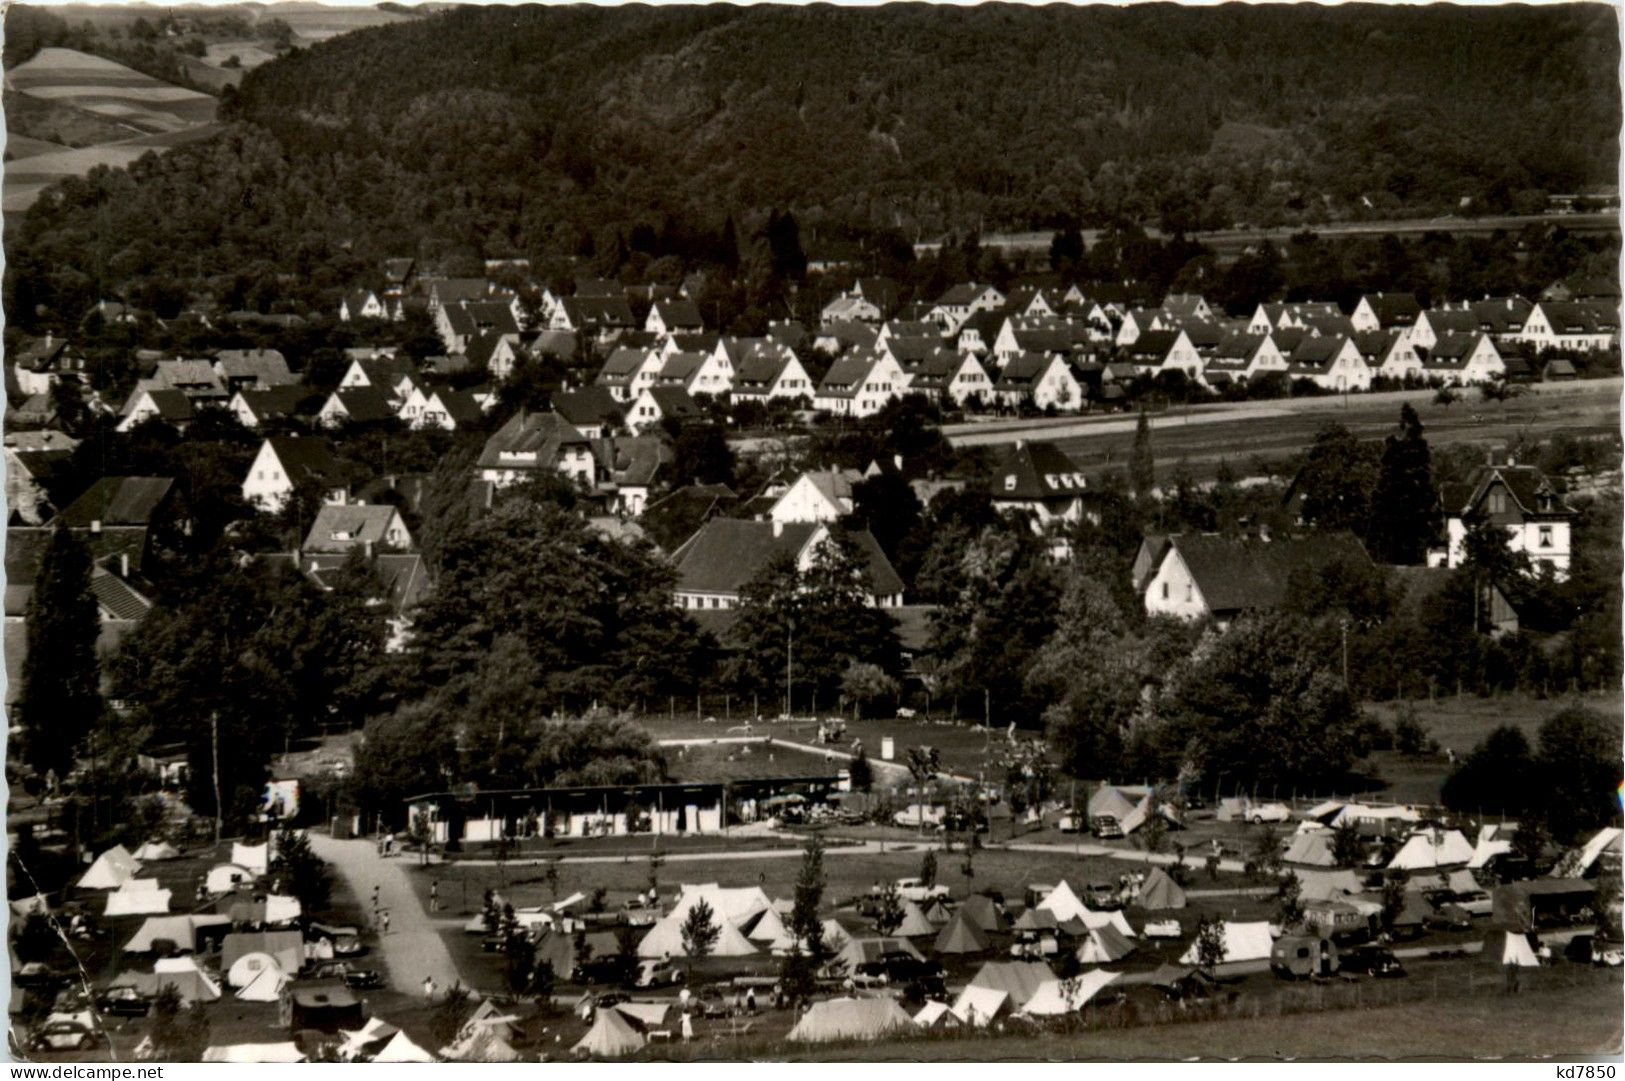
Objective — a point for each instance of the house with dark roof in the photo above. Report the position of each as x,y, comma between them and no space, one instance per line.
442,408
628,469
494,351
256,408
1331,362
1519,499
1204,575
340,528
362,405
787,332
715,564
770,372
1181,306
1579,325
30,467
1438,321
241,369
1041,380
860,384
845,335
604,319
531,443
674,316
286,462
172,407
36,363
849,308
1321,316
979,333
383,372
444,292
1240,358
1037,478
628,372
819,495
948,376
1389,353
1502,317
658,404
592,411
1163,351
696,372
1465,359
1385,311
959,302
883,293
362,304
118,501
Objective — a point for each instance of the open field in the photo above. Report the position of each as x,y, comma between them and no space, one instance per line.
1230,242
1254,436
21,146
102,86
962,745
24,181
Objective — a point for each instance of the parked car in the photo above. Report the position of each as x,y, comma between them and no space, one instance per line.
1269,812
608,968
1372,961
63,1035
657,974
123,1002
1448,917
1069,823
354,977
38,976
1102,896
1473,902
914,889
1106,827
711,1001
346,941
900,967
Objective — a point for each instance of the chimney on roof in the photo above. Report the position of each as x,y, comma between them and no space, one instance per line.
124,564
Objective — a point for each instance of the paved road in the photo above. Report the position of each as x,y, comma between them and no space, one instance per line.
1194,859
412,949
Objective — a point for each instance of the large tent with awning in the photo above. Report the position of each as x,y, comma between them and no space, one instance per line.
1159,892
961,935
980,1006
1019,979
1056,997
665,939
1108,801
257,977
1063,902
1432,849
1243,942
181,930
851,1019
1312,849
737,906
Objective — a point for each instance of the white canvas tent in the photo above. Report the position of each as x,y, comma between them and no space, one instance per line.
1018,979
1575,864
1328,885
111,870
1509,948
225,877
256,858
1492,841
1362,812
1242,942
1064,903
155,851
246,969
400,1048
287,1051
936,1014
979,1006
181,930
356,1041
611,1036
735,906
1104,945
647,1014
914,922
265,986
769,932
1115,919
1142,812
858,950
1055,997
1109,801
1311,850
851,1019
1431,849
126,901
665,939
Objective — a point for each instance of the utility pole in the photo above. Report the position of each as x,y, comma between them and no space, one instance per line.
789,659
214,750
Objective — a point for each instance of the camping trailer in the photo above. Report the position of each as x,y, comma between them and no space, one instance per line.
1298,957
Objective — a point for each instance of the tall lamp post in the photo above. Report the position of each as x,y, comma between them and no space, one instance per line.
789,664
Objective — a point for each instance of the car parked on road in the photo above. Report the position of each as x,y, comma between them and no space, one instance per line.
346,941
1269,812
1106,827
657,974
914,889
1448,917
355,977
64,1035
123,1002
611,968
1372,961
900,967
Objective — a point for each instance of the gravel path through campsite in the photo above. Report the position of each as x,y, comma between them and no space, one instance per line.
413,948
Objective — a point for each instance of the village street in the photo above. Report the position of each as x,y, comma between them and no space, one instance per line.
413,948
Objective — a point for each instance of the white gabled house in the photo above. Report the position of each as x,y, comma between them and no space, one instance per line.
674,317
1519,499
286,461
1332,363
960,302
697,373
657,404
628,372
1581,325
1389,353
362,304
860,385
1044,380
821,495
950,376
1240,358
1165,351
766,374
1464,359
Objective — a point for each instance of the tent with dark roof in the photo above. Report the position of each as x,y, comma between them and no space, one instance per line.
1159,892
1018,979
914,922
1104,945
980,910
962,935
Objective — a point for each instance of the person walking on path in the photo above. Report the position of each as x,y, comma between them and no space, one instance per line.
386,921
688,1026
428,988
434,896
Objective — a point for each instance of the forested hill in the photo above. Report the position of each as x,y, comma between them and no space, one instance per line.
992,116
562,132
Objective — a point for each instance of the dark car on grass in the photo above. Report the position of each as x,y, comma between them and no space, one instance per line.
901,967
63,1035
1448,917
1371,961
610,968
354,976
123,1002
